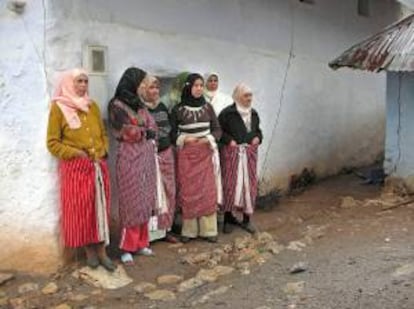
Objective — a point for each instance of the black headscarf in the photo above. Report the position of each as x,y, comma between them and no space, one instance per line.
126,91
186,96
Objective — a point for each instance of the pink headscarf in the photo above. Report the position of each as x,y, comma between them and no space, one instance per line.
67,99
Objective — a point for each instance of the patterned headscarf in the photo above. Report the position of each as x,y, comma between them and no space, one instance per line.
68,101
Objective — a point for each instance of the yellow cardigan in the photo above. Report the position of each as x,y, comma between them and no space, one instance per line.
66,143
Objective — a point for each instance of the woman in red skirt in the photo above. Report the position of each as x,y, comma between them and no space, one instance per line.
241,138
135,131
76,136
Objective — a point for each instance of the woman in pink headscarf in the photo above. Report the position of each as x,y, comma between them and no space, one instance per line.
77,137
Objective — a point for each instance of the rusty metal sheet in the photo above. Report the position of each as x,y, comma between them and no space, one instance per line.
392,49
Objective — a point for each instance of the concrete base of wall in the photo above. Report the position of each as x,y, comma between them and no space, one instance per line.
40,254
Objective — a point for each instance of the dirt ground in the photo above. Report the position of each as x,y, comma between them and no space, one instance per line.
354,257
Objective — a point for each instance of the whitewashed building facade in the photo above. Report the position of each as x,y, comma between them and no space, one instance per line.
311,116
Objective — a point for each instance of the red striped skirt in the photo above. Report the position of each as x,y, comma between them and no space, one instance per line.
167,167
79,222
197,191
137,182
229,165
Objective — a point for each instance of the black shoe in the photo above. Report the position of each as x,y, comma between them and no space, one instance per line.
248,227
107,263
230,219
185,239
227,228
92,262
211,239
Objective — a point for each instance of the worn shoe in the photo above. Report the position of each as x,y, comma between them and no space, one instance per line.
248,227
227,228
231,219
211,239
146,252
92,262
127,259
171,239
107,263
185,239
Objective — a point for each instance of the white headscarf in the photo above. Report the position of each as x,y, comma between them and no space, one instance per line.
209,95
245,112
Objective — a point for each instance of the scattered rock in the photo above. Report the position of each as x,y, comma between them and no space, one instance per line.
205,298
182,251
190,284
404,270
244,268
227,248
296,245
28,287
247,255
274,247
79,297
349,202
3,302
294,287
176,246
264,238
161,295
211,275
5,277
242,242
169,279
17,303
298,268
315,232
101,278
63,306
194,259
145,287
96,292
50,288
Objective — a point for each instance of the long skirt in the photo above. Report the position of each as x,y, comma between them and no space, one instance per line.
197,191
134,238
136,179
239,172
167,167
85,196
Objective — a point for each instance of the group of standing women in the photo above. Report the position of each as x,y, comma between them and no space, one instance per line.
200,156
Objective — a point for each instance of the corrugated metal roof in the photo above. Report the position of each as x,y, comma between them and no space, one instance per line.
392,49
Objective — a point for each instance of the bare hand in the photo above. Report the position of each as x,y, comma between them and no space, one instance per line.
255,141
82,154
233,143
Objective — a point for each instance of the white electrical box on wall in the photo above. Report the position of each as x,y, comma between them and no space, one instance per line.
95,60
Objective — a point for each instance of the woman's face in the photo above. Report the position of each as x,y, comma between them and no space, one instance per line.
153,92
80,85
197,89
212,83
246,99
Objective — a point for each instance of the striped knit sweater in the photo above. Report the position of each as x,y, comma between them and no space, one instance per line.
194,121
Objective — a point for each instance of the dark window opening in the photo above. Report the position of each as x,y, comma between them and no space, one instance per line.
364,8
308,1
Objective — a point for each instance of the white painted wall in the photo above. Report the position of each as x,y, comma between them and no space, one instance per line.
28,205
327,119
399,154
